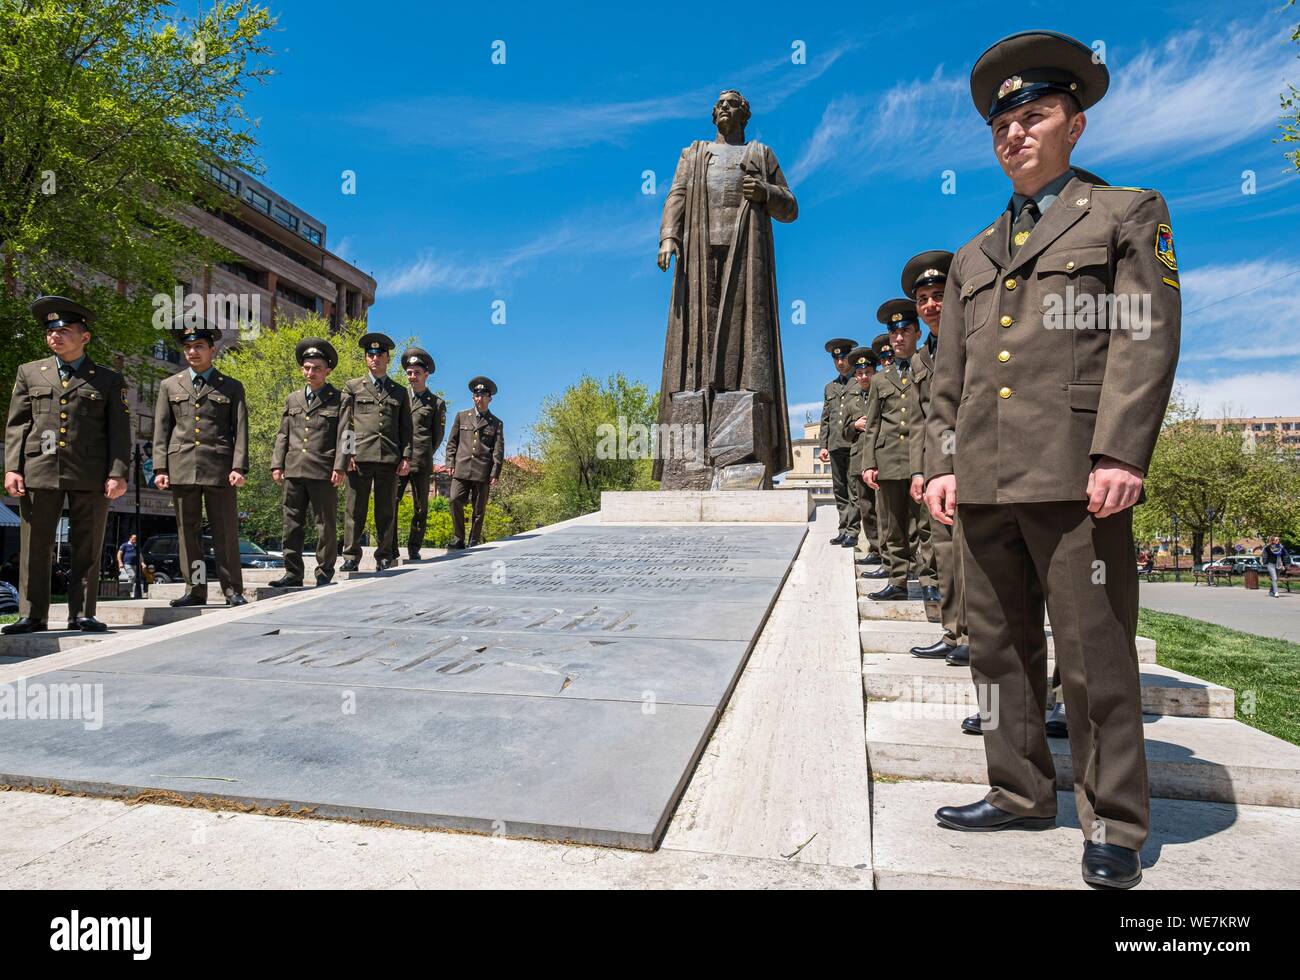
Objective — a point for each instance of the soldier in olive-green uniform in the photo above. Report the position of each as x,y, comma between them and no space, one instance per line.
1055,405
375,452
428,423
833,446
884,351
475,452
862,361
303,462
200,439
924,277
68,435
887,457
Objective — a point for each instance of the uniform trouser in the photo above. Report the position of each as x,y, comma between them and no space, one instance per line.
475,491
904,532
1015,558
867,520
87,518
383,478
419,483
324,501
222,506
945,545
846,495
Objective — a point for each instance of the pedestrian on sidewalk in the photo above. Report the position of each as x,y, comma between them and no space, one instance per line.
1275,558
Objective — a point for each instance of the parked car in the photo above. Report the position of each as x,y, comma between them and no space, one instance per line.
162,551
1233,565
8,598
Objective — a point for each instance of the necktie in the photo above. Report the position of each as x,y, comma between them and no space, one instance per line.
1024,225
65,372
904,366
310,396
198,382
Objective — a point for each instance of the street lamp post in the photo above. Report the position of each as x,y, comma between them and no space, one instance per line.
137,474
1210,512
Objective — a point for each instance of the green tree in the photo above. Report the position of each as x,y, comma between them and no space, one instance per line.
111,108
593,436
1195,469
1291,108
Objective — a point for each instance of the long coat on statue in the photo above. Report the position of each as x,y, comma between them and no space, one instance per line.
725,335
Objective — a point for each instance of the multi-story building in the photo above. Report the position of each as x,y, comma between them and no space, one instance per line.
809,472
1282,430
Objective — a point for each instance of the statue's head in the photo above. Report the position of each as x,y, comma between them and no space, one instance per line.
731,111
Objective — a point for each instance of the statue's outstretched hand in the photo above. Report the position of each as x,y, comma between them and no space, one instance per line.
754,189
667,249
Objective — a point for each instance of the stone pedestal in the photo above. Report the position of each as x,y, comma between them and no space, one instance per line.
693,506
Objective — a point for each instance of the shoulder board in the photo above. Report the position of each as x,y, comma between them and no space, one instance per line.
1112,187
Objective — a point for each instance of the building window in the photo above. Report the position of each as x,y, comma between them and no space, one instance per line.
291,295
285,218
259,201
312,235
221,178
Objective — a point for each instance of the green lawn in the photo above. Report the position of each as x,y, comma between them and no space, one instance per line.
1264,672
5,620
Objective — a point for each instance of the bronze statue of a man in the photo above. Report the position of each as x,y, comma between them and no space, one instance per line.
722,359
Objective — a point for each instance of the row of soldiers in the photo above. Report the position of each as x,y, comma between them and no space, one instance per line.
1025,424
68,435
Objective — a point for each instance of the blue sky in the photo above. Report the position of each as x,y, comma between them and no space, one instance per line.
522,182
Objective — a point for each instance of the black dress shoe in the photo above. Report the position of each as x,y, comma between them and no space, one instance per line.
24,625
1111,866
890,593
383,563
933,603
413,554
935,651
189,599
850,541
984,816
286,582
838,539
87,624
973,725
872,558
959,656
878,573
1055,725
474,542
236,599
351,565
324,580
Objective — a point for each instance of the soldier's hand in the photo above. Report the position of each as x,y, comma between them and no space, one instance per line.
114,487
861,424
277,476
918,488
870,476
405,468
236,478
941,498
754,189
1112,487
667,249
352,465
492,482
15,485
824,455
336,478
161,481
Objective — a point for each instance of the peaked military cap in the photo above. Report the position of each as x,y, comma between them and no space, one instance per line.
1026,66
416,355
925,269
377,343
860,356
59,311
882,346
481,384
316,347
840,346
189,327
895,313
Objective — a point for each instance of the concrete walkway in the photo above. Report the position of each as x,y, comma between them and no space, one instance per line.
1236,608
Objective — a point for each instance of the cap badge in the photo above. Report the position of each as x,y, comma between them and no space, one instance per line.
1012,84
51,316
894,318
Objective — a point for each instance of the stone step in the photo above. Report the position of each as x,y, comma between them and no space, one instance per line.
894,677
141,612
17,648
252,593
1212,759
912,610
900,635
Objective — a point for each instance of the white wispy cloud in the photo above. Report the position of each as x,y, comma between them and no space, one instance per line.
1197,93
526,132
587,234
799,411
1242,311
1262,393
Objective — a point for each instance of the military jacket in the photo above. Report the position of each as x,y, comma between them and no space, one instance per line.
476,446
200,435
380,419
306,444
